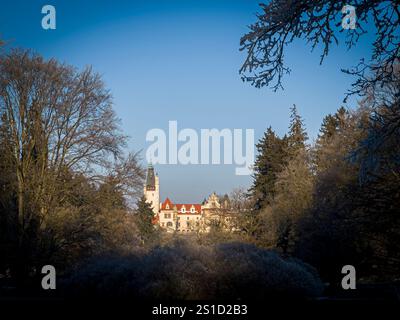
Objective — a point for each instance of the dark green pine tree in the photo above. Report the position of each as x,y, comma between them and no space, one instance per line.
328,128
269,162
342,116
144,219
297,136
331,125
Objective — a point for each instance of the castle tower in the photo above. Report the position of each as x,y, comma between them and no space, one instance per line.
152,189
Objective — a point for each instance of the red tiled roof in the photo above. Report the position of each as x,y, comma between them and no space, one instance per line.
165,203
179,206
188,206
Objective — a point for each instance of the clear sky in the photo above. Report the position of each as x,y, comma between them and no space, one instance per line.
179,60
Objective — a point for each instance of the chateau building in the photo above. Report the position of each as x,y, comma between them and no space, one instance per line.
180,217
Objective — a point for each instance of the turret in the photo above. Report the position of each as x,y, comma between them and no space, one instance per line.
152,189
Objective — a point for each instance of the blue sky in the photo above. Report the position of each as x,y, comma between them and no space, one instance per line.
179,60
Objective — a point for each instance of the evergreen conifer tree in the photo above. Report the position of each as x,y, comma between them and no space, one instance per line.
297,136
269,162
144,221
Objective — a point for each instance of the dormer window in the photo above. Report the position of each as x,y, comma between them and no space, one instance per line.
183,210
192,210
167,206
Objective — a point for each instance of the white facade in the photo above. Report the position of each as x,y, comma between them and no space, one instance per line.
167,219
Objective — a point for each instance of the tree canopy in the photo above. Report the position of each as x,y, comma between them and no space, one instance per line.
319,24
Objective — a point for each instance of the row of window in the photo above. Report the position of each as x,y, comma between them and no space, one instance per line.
170,224
183,210
188,224
169,216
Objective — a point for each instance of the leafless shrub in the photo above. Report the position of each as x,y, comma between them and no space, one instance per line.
188,271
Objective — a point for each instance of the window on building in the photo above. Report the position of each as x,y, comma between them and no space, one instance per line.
169,224
183,210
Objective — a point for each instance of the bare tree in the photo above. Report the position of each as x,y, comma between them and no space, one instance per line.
54,119
378,152
126,175
318,22
240,200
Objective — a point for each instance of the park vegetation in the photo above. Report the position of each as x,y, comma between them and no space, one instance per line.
70,193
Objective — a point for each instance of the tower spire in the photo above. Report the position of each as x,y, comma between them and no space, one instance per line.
152,188
150,178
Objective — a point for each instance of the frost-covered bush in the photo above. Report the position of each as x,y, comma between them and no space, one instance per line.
245,271
187,271
182,271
